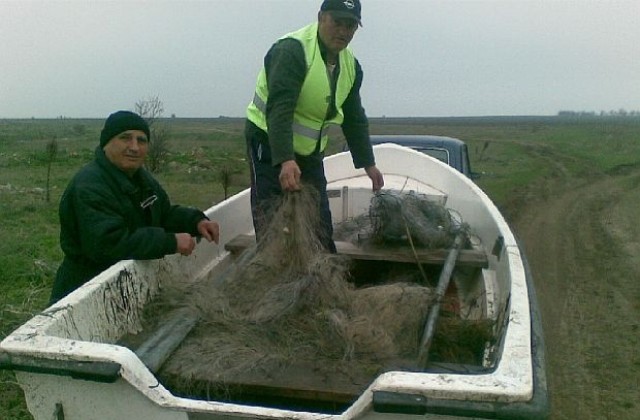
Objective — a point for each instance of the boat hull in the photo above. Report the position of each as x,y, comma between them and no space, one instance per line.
68,361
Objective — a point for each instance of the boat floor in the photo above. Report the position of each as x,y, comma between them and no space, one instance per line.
325,385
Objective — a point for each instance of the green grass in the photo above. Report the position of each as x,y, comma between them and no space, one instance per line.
512,154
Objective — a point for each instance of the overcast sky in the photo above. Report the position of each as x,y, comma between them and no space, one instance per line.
420,57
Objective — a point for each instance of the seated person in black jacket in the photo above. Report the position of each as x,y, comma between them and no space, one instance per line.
113,209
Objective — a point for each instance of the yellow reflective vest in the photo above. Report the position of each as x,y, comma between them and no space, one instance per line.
309,119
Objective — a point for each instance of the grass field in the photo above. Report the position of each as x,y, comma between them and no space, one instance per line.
513,155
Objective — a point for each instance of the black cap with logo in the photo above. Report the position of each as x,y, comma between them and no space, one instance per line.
343,9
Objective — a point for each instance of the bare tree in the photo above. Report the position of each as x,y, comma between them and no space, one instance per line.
225,176
480,154
52,151
151,109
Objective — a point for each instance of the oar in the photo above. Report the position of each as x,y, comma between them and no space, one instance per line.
434,311
157,348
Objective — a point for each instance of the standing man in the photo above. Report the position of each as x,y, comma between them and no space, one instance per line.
113,209
310,81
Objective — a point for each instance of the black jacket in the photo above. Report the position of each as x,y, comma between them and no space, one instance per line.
105,217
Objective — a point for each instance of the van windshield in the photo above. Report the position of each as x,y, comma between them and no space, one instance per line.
440,154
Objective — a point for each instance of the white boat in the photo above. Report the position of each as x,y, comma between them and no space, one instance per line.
70,364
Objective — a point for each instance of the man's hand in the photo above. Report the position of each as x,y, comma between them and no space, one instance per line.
377,180
290,176
185,243
209,230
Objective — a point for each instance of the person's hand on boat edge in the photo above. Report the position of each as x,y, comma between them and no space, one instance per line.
290,176
377,180
209,230
185,243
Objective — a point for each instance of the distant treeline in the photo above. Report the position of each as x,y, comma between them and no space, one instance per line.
613,113
561,118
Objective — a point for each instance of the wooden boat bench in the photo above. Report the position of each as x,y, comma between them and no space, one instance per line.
466,257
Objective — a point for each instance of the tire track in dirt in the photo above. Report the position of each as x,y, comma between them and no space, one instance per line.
578,236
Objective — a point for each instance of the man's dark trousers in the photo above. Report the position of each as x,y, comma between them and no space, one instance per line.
266,190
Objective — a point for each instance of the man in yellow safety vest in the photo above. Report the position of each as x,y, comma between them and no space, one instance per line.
309,82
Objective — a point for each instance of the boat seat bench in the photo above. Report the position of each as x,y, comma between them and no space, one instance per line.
466,257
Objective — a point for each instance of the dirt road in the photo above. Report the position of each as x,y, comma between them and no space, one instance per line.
582,239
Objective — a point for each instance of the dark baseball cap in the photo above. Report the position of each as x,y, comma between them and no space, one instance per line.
349,9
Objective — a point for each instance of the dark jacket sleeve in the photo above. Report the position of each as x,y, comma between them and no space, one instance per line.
109,228
183,219
285,68
355,126
106,235
172,217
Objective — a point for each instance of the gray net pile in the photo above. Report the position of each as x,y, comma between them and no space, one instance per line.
286,301
397,218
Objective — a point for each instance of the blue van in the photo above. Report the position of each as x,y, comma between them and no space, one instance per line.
449,150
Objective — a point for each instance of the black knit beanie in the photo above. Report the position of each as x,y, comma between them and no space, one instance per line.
121,121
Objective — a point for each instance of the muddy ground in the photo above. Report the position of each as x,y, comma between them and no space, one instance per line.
582,239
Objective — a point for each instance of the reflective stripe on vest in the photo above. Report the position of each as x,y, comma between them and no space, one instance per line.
309,125
297,128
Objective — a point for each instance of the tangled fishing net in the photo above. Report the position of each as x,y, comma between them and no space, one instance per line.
397,218
287,302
